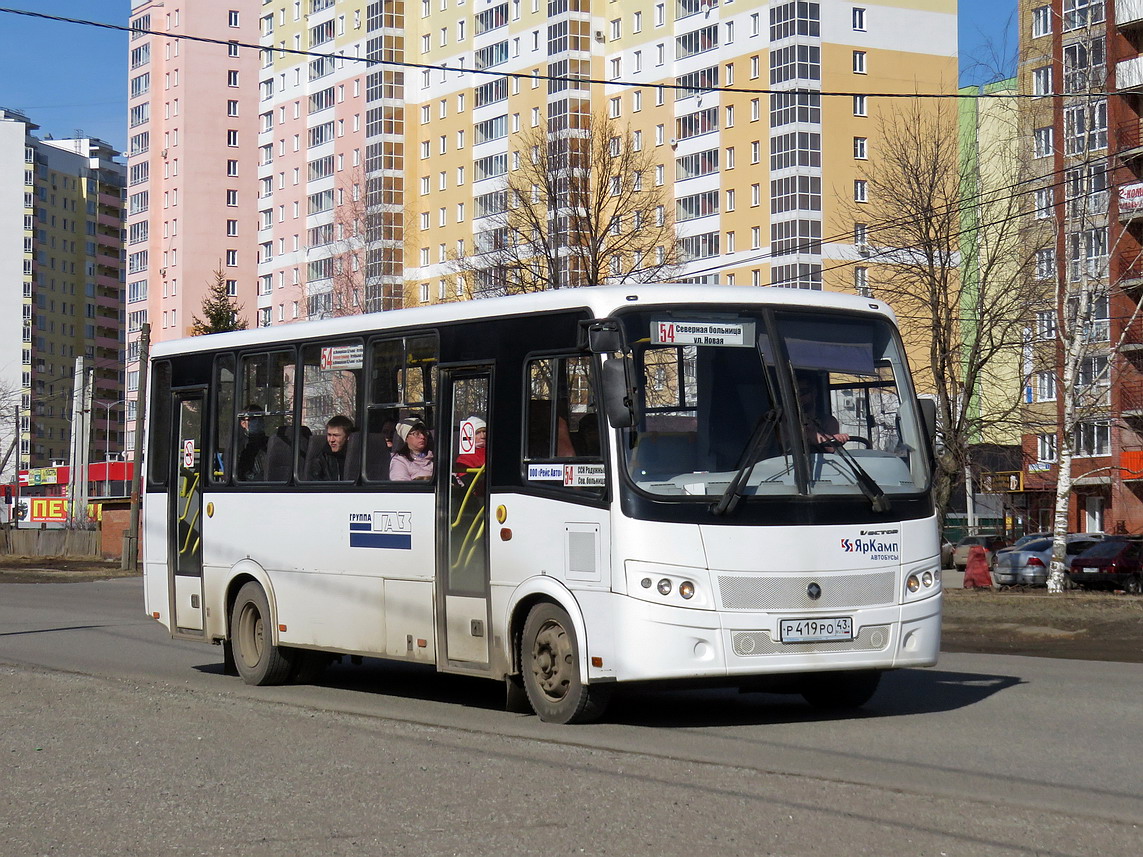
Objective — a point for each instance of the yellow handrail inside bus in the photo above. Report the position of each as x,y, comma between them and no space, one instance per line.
479,472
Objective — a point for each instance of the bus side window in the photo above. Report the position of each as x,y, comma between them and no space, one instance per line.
221,466
159,453
562,423
401,381
265,434
331,377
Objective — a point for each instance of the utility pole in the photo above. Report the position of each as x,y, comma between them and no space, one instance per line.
80,443
131,534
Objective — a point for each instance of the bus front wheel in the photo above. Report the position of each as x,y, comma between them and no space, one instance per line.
258,660
550,666
839,691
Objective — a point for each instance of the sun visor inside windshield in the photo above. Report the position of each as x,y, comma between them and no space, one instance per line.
855,358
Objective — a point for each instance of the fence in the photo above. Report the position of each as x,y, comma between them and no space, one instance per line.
77,543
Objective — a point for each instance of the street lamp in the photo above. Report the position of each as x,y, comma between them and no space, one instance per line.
107,406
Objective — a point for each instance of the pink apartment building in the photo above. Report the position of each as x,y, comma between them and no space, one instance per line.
192,165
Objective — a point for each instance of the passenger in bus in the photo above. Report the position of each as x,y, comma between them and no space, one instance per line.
475,459
468,464
822,431
413,460
252,444
328,463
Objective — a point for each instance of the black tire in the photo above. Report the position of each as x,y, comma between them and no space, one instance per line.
258,660
308,665
549,662
1134,584
840,691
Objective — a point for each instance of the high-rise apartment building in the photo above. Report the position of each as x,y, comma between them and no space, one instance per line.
374,176
1082,58
362,149
191,164
61,226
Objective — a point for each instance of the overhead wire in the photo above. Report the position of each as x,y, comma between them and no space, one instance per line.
576,79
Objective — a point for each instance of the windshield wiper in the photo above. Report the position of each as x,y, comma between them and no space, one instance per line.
733,493
867,484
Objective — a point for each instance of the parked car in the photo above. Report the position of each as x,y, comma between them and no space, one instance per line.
1114,563
1028,564
991,544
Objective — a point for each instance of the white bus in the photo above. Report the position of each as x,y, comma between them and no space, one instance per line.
630,485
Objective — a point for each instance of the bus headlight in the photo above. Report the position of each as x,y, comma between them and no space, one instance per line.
913,583
927,579
687,590
664,586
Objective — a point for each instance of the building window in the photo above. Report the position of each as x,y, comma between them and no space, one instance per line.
1046,324
1093,439
861,281
1079,14
1042,80
1046,266
859,148
1042,139
1046,447
859,62
1045,386
860,190
1041,21
859,19
232,18
860,106
1045,201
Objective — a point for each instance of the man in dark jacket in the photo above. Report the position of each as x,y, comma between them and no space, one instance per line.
329,462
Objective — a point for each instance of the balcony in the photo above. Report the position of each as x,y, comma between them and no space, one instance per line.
1128,270
1129,139
1129,74
1128,13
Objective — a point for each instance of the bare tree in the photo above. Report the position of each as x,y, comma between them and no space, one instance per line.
954,259
579,207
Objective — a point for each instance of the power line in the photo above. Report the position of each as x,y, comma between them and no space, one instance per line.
574,79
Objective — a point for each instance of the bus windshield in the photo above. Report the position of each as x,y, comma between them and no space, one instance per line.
772,404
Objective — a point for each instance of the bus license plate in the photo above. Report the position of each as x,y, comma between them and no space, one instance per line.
816,630
1090,570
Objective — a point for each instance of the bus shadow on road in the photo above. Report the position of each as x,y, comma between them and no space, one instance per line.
901,693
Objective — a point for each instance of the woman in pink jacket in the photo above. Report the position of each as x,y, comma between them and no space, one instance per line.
414,460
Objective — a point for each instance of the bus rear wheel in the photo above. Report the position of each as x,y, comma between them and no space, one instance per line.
550,666
258,660
840,691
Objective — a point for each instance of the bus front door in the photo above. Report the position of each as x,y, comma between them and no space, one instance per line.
462,567
185,513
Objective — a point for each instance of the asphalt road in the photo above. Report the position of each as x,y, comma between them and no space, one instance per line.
118,740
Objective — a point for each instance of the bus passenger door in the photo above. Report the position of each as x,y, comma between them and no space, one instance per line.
462,564
185,512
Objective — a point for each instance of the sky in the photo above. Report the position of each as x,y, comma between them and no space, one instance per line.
69,77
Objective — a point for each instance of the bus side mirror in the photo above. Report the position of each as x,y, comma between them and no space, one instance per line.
929,415
618,393
605,336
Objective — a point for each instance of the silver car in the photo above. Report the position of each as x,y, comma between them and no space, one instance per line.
1028,565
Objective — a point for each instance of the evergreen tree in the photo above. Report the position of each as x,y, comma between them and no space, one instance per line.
220,310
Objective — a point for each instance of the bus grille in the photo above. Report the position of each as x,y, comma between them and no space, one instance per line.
753,643
789,593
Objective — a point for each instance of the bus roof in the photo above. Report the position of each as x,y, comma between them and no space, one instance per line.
601,301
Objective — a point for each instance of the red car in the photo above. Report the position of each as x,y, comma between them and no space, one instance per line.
1114,563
